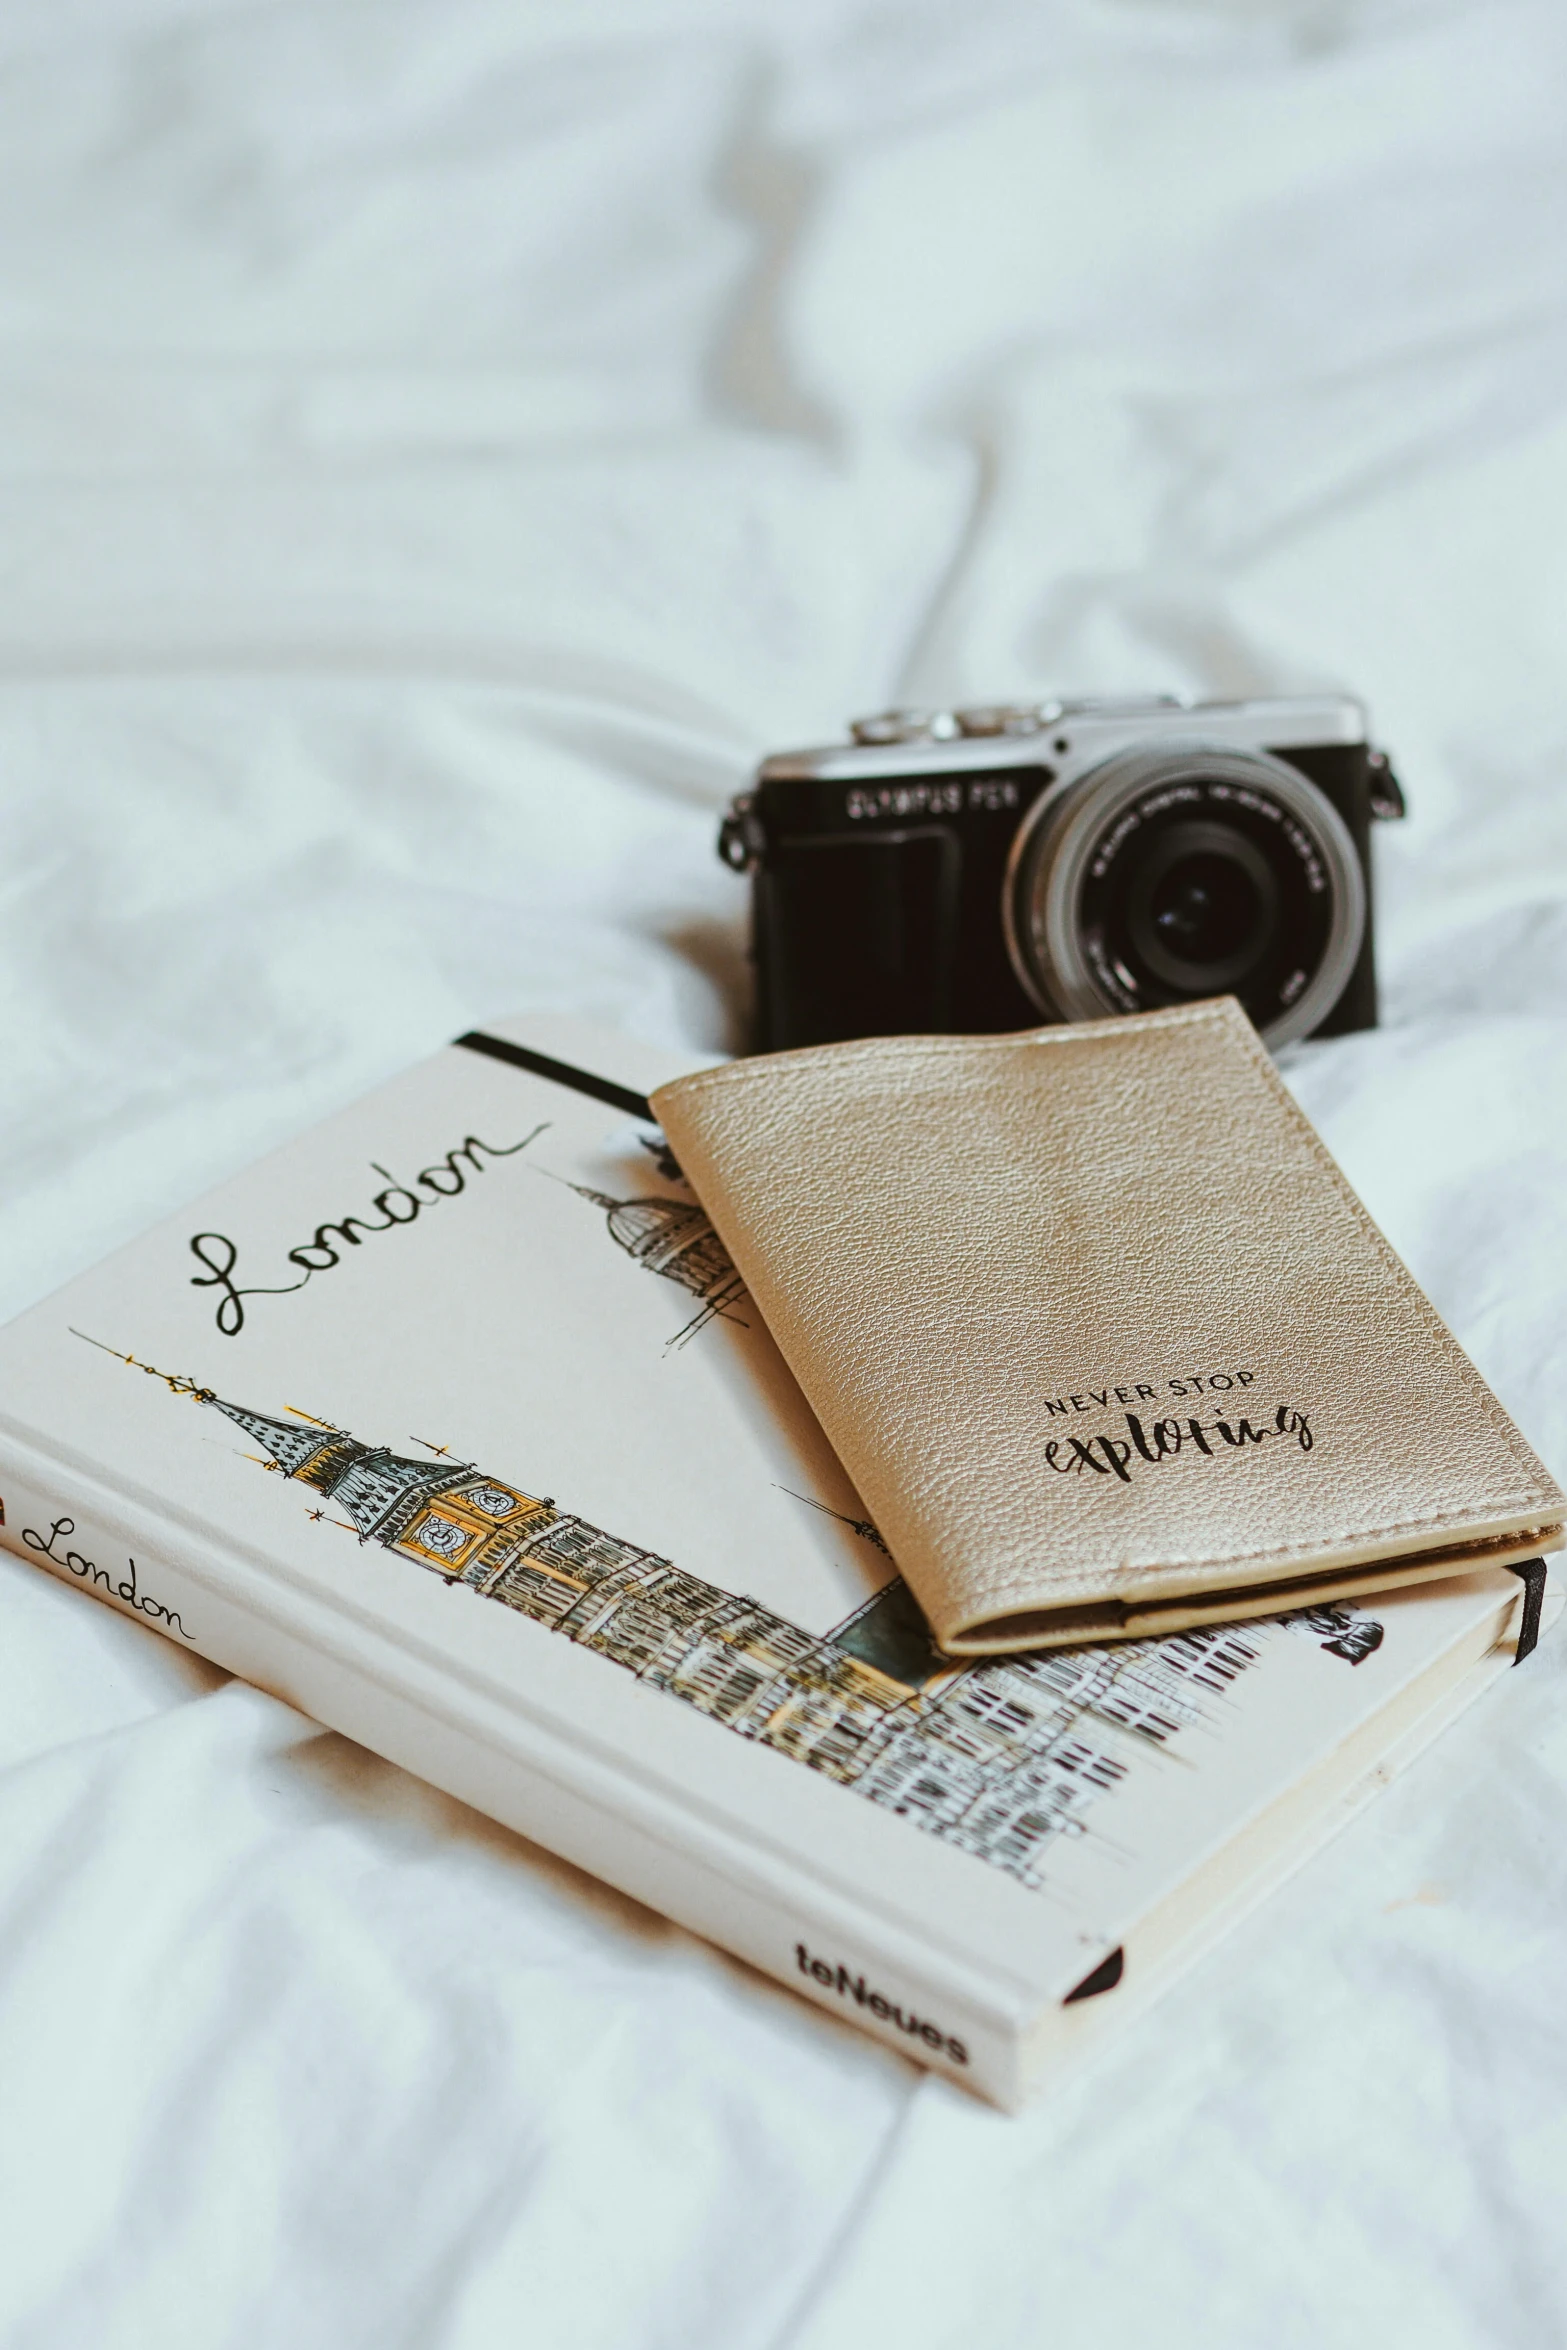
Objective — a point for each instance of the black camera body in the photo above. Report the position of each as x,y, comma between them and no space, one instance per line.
986,869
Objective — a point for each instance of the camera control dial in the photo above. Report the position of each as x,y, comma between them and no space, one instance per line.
905,726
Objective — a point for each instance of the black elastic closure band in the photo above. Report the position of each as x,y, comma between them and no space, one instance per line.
518,1056
1532,1576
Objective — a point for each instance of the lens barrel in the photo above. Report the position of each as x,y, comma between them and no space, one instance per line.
1167,873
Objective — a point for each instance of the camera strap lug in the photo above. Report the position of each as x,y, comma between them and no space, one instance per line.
1387,793
740,841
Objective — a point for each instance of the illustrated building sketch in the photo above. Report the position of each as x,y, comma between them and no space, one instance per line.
997,1757
674,1237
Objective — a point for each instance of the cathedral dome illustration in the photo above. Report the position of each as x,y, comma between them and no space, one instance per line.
676,1238
655,1231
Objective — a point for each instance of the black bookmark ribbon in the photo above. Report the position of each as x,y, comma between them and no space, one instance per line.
520,1056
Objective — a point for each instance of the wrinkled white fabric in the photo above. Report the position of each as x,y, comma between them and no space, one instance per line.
440,448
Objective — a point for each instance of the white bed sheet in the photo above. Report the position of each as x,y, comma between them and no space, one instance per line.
442,442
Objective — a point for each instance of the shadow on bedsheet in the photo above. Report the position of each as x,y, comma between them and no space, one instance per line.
716,952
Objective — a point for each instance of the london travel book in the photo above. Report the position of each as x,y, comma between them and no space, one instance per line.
452,1424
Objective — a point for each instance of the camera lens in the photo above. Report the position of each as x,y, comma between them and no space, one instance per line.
1167,873
1201,907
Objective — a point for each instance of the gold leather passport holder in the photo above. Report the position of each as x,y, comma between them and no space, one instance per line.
1099,1330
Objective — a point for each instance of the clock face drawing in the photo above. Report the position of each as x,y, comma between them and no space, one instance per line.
494,1500
442,1535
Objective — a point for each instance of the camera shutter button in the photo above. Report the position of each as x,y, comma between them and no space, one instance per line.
1007,718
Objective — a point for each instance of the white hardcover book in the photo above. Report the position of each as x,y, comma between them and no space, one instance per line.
451,1424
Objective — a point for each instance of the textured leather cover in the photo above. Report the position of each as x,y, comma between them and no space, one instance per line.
1099,1329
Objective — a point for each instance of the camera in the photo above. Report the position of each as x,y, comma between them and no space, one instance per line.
990,868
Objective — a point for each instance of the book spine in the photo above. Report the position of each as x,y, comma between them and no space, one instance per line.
842,1960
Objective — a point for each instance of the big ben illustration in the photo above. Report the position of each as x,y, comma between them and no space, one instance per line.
997,1757
726,1654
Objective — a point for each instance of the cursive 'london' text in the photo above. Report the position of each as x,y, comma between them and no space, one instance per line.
55,1546
398,1204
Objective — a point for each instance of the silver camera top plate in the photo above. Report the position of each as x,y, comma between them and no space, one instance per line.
1078,733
